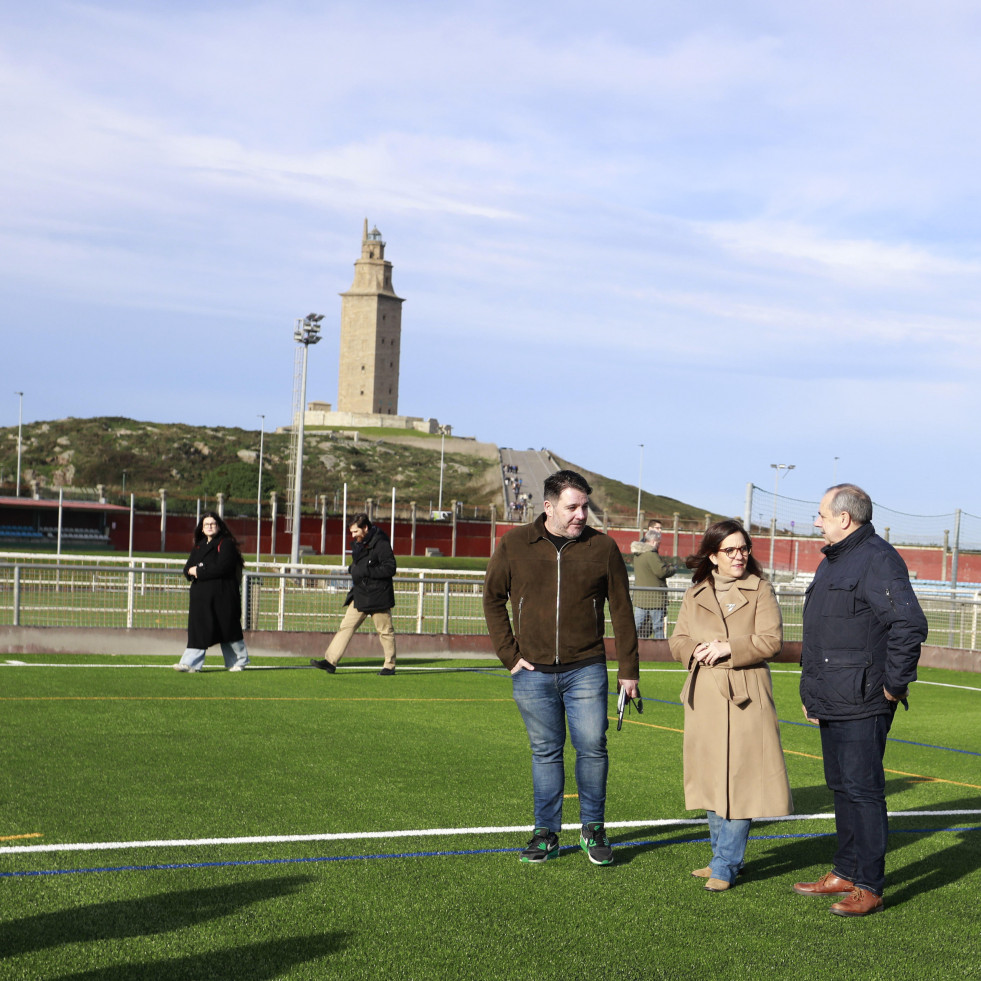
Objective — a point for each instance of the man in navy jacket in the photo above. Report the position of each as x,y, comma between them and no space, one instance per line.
863,628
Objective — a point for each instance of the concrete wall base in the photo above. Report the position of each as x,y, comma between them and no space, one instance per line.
365,643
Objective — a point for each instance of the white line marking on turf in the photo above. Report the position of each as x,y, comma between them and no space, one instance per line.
418,833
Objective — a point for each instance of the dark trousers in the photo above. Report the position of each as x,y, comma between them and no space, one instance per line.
853,752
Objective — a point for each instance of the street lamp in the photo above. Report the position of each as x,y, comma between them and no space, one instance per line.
780,470
258,504
640,483
442,448
20,442
307,332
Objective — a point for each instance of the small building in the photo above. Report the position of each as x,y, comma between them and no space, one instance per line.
32,523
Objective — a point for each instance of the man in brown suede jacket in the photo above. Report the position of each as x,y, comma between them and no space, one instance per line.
558,575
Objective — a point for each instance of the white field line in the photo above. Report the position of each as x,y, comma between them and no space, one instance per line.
407,668
420,833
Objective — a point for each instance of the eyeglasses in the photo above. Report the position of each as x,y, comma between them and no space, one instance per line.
741,549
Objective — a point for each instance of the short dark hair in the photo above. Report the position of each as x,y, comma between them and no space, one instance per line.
851,498
714,536
361,520
562,479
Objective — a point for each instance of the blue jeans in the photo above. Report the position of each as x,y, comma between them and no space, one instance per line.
546,701
728,837
655,618
853,754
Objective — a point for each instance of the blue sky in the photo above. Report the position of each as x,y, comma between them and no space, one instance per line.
739,233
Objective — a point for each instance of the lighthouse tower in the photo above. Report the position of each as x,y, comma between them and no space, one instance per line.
371,333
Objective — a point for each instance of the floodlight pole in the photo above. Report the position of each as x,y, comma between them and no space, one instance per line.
640,483
20,442
307,332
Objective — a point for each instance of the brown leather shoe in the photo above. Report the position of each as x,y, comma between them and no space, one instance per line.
828,885
718,885
859,902
705,873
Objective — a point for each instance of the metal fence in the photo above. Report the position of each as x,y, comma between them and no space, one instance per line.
35,594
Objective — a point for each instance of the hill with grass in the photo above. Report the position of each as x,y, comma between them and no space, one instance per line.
126,457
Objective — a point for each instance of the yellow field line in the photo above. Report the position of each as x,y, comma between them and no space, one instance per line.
33,834
812,756
223,698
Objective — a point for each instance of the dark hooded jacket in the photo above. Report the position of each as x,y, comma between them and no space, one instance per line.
215,612
863,628
372,569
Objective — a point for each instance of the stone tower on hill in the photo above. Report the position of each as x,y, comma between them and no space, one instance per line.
371,334
371,342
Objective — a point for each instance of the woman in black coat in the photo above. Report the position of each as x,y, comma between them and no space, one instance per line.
371,595
214,569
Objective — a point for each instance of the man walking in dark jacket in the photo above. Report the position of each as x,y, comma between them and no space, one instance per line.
863,628
371,594
558,574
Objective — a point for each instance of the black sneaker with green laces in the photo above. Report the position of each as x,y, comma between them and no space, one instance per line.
595,843
543,845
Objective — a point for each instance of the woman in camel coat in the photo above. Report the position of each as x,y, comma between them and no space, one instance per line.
728,628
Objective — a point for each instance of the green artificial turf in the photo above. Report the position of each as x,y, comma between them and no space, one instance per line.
134,752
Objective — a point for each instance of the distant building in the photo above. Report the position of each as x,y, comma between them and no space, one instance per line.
371,337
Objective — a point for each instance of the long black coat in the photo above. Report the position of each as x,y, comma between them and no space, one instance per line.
371,572
215,613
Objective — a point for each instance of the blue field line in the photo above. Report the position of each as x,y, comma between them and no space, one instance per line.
170,867
808,725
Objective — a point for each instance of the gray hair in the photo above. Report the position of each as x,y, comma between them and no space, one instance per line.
850,498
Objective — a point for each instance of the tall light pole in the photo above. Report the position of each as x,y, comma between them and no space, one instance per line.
442,447
780,470
20,442
258,499
640,483
307,332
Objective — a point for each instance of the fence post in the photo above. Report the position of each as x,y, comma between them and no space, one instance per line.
246,582
130,596
421,602
16,595
446,606
163,519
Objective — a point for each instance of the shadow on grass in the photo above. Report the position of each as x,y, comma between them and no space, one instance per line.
141,917
252,962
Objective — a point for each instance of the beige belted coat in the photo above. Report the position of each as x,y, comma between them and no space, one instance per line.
734,762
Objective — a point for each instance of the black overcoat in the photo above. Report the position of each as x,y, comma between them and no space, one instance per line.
372,571
215,612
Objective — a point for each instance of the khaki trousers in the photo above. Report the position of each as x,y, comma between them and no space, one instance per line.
353,618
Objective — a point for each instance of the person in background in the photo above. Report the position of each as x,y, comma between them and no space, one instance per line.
729,626
650,570
372,594
214,569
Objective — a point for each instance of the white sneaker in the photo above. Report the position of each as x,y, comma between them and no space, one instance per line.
237,667
185,669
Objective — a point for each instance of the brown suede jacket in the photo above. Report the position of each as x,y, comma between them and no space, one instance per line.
558,599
